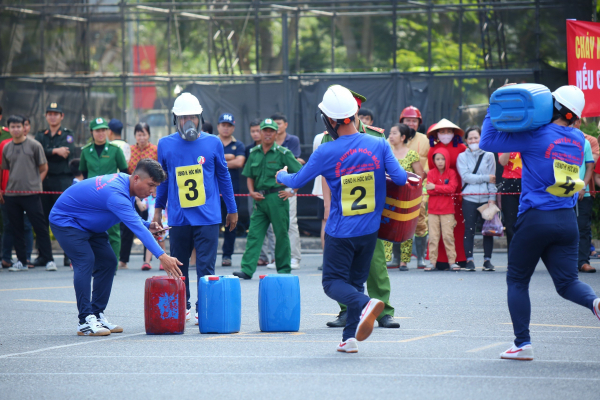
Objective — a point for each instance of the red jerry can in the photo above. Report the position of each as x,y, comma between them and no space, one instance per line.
165,305
400,212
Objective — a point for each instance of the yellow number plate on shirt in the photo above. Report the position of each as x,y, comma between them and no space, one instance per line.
190,181
566,177
358,194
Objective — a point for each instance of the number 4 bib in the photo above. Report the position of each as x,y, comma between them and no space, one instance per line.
190,181
566,180
358,194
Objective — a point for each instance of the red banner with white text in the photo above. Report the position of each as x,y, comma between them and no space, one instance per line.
583,60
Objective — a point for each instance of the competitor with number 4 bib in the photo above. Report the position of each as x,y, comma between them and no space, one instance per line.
546,226
355,167
196,171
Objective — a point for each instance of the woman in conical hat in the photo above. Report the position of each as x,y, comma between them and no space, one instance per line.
447,135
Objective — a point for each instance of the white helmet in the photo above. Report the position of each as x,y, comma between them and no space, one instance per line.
186,107
187,104
338,103
570,97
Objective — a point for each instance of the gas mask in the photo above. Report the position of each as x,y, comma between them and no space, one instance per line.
189,130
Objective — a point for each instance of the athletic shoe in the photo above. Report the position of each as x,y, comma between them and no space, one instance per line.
188,315
226,262
368,316
349,346
455,267
92,327
271,265
111,327
523,353
597,308
340,320
242,275
196,319
295,263
403,268
51,266
488,266
470,266
16,267
146,267
161,267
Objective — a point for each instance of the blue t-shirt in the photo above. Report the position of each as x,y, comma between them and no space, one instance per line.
237,149
551,157
588,159
354,167
96,204
292,143
196,171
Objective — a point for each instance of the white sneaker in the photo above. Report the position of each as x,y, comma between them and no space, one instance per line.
188,315
111,327
368,316
271,265
295,263
50,266
523,353
349,346
92,327
596,307
196,319
16,267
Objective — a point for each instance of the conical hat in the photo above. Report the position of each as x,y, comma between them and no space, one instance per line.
444,123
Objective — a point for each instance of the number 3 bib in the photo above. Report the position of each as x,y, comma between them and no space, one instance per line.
358,194
190,181
566,180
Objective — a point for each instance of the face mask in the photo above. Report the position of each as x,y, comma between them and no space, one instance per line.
189,131
474,146
446,137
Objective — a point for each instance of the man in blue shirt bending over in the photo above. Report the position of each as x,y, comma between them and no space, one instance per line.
196,171
546,225
355,167
80,219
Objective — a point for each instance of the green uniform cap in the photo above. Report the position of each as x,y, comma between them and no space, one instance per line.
98,123
54,107
268,123
362,98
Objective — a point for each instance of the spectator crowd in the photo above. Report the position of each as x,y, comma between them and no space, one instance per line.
462,191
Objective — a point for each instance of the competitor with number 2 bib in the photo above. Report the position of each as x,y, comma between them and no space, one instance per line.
354,166
546,225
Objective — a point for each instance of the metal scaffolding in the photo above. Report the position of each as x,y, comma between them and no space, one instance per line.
223,56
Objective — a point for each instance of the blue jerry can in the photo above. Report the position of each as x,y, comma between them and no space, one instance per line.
279,303
520,108
219,304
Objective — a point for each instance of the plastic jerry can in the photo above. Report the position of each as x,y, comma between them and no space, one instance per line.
164,305
522,107
279,303
400,211
219,304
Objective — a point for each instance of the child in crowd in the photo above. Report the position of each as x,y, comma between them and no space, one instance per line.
149,204
77,174
441,182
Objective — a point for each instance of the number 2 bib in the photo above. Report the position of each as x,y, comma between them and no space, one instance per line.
358,194
190,181
566,180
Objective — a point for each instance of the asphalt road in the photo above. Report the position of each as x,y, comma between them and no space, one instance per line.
453,327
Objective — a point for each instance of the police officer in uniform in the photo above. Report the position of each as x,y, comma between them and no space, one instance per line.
270,200
378,282
100,157
59,147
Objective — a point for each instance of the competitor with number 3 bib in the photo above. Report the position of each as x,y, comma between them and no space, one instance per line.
196,171
354,166
546,226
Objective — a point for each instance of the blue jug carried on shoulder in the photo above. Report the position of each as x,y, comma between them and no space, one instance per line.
520,108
